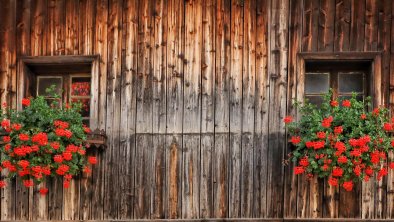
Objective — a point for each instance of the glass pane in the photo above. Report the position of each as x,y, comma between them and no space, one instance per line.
85,106
80,86
316,82
350,82
44,83
317,100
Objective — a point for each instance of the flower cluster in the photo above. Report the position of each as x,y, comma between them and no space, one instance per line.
80,88
344,143
43,142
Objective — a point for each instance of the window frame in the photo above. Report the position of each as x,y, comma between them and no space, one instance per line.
25,77
378,95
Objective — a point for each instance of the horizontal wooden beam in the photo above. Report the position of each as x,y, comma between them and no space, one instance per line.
339,55
232,219
66,59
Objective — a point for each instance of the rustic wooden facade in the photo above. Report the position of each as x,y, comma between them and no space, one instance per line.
191,95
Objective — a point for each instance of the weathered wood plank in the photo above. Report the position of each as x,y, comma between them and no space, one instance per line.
371,25
55,33
235,96
23,20
192,109
261,110
71,29
111,195
38,25
175,60
220,155
326,25
310,25
342,25
277,108
70,204
295,36
349,203
207,107
248,108
390,177
128,108
357,34
86,26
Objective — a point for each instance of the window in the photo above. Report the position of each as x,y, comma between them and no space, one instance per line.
72,88
342,77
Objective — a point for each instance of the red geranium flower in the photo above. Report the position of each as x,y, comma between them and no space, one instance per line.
338,130
295,140
23,163
23,137
321,135
298,170
304,162
92,160
288,119
346,103
16,126
2,184
55,145
387,127
26,102
67,156
333,181
342,159
348,185
363,116
334,103
337,172
40,138
58,158
43,191
5,123
6,139
28,183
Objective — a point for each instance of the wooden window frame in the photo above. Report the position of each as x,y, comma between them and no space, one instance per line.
24,73
379,97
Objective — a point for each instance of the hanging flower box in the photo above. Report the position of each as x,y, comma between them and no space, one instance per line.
97,138
343,140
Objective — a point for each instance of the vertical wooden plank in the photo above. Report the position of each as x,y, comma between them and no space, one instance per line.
100,48
310,25
261,111
143,157
55,34
342,25
371,25
357,34
277,108
38,24
295,36
71,29
86,26
128,108
175,46
248,108
111,195
384,31
159,110
220,155
236,107
192,109
326,25
23,27
390,177
207,107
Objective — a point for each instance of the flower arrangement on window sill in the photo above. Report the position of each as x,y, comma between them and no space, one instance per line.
342,140
40,141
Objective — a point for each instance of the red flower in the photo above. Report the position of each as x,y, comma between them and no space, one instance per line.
62,169
40,138
346,103
334,103
5,123
2,184
357,170
304,162
391,165
355,152
369,171
68,133
28,183
7,147
348,185
387,127
363,116
319,144
58,158
23,137
16,126
23,163
338,130
321,135
66,184
310,144
87,170
337,172
43,191
376,111
288,119
333,181
55,145
326,123
81,151
92,160
26,102
342,159
298,170
68,176
72,148
4,104
295,140
86,129
67,156
6,139
35,148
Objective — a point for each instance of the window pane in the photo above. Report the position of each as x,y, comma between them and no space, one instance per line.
85,106
46,82
358,97
317,100
350,82
316,82
80,86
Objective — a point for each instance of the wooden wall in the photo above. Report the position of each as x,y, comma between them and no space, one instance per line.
192,95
